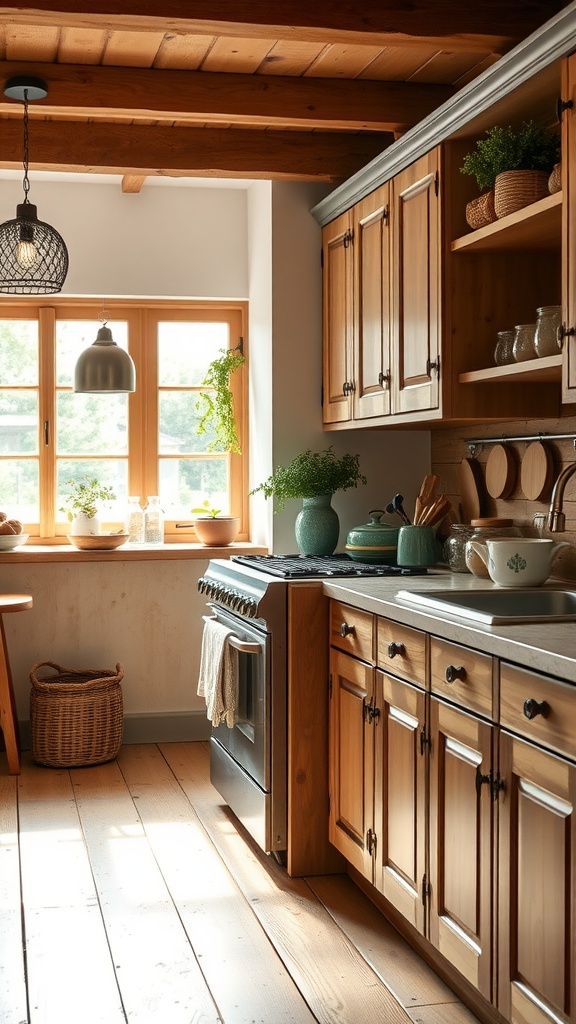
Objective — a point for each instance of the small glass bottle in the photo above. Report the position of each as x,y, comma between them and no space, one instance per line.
546,339
153,522
454,550
524,342
503,353
134,522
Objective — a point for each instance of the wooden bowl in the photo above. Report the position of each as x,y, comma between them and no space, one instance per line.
98,541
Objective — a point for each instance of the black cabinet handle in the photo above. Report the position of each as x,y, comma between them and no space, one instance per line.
454,672
394,649
345,629
533,708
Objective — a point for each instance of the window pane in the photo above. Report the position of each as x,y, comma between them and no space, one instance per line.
92,424
109,472
185,351
186,483
19,494
73,336
178,421
19,352
19,422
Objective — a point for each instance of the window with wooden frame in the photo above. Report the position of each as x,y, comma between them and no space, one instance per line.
142,444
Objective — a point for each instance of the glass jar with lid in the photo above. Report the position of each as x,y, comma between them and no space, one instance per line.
484,529
504,351
524,342
454,550
546,340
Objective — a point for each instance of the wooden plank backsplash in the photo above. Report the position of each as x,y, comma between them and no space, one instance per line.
449,447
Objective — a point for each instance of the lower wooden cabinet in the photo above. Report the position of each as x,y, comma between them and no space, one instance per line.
466,826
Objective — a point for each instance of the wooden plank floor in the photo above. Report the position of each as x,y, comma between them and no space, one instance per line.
128,893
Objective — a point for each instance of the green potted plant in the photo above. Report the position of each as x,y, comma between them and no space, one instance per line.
514,164
82,504
314,477
216,405
212,528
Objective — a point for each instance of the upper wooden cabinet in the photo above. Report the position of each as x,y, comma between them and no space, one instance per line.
414,300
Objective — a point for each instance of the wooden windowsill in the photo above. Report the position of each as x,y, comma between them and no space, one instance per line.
140,553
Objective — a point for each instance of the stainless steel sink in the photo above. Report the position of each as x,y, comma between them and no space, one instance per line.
494,607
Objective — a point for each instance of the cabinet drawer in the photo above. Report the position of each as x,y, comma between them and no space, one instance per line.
462,675
352,630
402,651
551,703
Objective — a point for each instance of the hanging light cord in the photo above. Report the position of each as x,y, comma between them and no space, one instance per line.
26,181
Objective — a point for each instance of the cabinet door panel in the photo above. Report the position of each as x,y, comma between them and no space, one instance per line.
536,886
372,305
337,319
400,793
569,228
351,759
461,842
416,286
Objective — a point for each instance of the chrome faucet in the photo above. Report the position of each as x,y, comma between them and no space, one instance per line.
556,517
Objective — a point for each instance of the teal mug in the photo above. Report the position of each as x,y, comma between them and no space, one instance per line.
416,547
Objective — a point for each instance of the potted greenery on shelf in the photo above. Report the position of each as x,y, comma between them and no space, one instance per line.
212,528
314,477
216,405
82,504
511,167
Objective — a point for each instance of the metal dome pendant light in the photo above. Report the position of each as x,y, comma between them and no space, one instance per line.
104,368
33,256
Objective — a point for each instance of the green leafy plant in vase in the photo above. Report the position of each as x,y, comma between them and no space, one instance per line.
314,477
217,405
82,504
511,167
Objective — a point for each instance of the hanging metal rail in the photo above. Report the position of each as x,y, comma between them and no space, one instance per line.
474,444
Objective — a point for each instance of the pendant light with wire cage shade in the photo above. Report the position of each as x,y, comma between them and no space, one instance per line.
33,255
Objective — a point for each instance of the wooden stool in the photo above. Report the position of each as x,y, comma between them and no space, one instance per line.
8,717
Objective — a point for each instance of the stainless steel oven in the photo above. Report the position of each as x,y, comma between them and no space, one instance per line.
248,762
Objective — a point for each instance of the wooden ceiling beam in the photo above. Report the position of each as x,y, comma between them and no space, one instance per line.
230,98
484,24
136,149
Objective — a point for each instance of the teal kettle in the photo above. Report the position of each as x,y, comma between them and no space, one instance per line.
374,542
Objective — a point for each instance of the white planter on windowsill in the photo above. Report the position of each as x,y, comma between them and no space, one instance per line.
83,525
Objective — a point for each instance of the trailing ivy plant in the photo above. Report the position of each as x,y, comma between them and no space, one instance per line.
311,474
216,405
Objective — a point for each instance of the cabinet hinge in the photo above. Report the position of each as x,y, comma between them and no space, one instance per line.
425,741
371,712
386,214
561,106
425,890
322,259
348,237
496,785
436,184
371,842
330,687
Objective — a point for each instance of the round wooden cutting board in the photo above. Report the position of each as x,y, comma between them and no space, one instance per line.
537,471
471,487
500,471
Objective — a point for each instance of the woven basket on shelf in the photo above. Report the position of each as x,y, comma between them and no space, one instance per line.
480,211
555,179
76,716
515,189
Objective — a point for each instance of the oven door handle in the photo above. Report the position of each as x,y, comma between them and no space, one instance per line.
244,646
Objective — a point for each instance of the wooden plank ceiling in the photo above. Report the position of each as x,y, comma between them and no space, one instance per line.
294,89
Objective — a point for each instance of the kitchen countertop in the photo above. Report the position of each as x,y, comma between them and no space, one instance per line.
544,647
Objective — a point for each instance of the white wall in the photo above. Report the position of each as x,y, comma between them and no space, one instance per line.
259,243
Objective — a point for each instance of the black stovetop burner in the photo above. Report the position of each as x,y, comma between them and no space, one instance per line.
292,567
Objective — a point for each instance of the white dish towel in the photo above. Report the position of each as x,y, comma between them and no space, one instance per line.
216,681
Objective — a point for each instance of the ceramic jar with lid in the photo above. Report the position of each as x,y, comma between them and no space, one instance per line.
546,340
454,550
485,529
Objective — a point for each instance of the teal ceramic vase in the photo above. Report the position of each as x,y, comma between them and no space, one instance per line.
317,526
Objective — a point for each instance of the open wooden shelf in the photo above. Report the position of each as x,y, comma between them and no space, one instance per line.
547,369
537,226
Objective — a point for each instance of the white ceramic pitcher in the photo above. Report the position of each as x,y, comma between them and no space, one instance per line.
518,561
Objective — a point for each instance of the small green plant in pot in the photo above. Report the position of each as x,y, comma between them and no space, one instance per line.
314,477
212,528
82,504
496,159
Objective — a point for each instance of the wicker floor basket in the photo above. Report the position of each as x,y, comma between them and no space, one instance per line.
76,716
